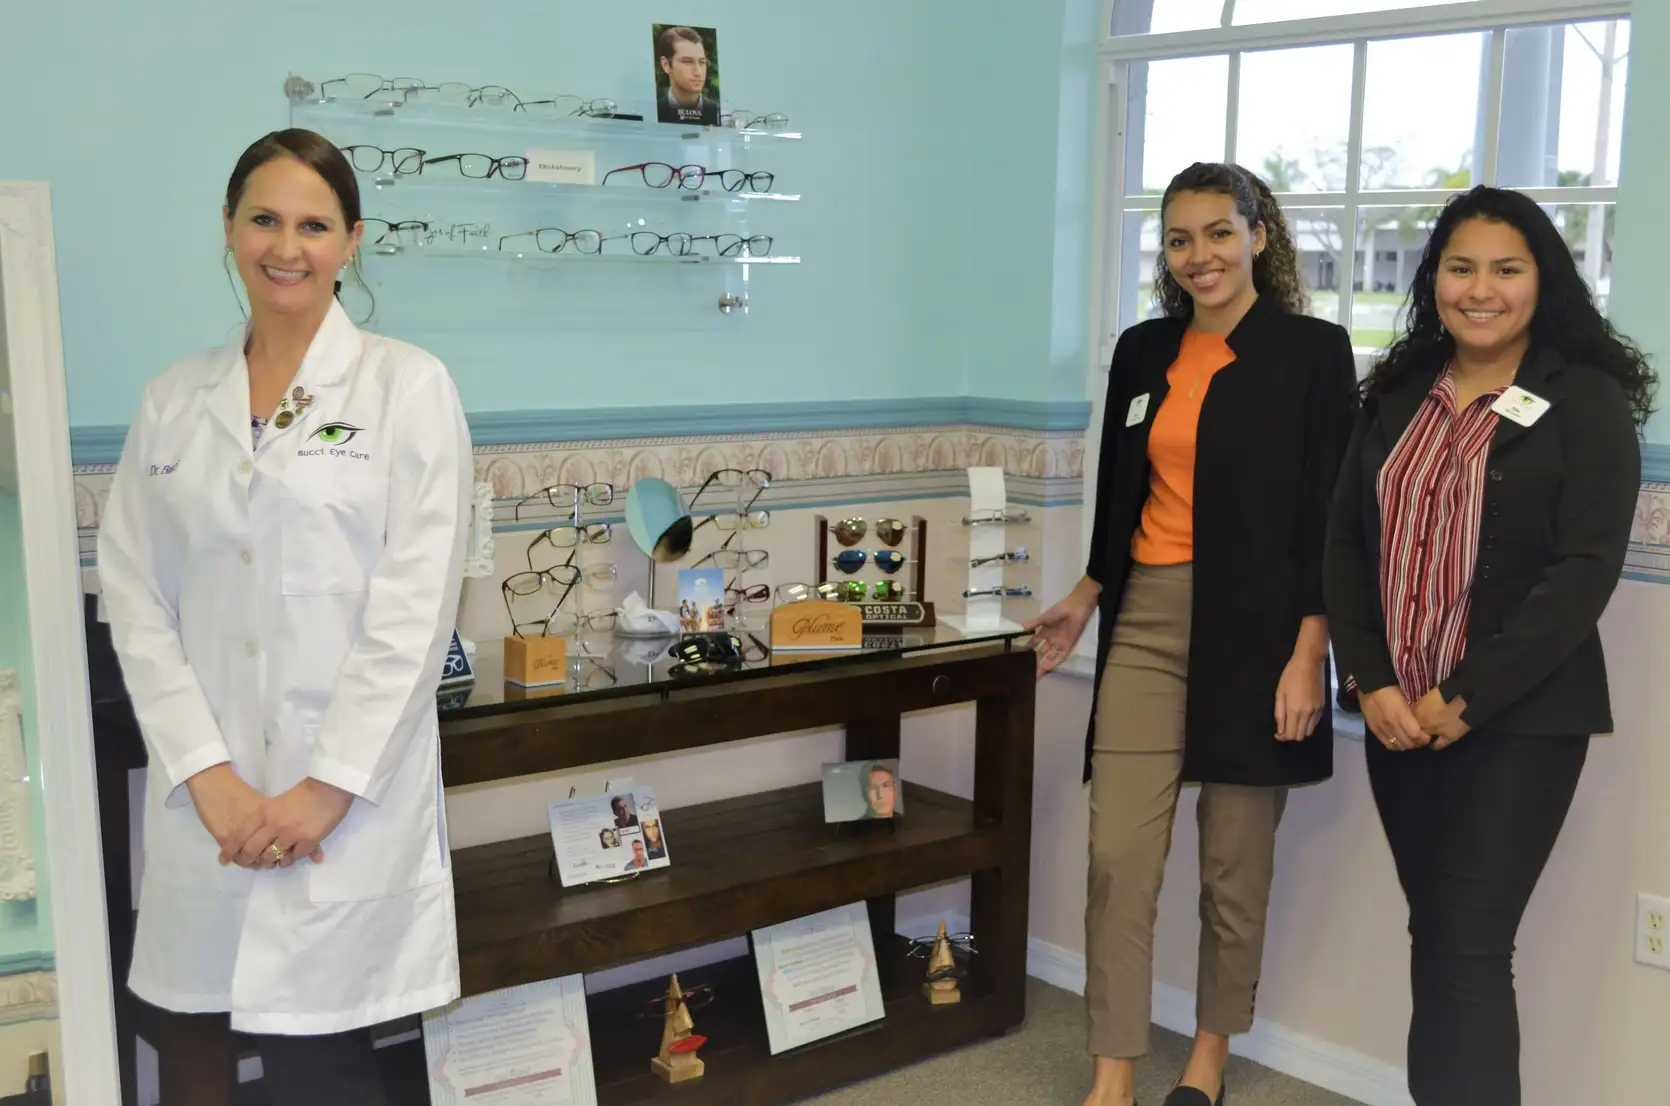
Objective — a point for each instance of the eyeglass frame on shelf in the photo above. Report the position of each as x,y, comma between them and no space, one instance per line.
1021,592
1016,515
1015,557
568,236
494,165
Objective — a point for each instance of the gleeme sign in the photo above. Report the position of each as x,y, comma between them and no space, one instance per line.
817,624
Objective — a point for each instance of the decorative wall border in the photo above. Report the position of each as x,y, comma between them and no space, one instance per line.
829,468
102,445
27,997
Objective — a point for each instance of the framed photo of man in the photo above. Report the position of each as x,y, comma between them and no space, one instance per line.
686,74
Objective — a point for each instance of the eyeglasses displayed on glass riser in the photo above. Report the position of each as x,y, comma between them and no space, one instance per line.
1022,592
570,536
407,160
644,243
417,91
851,531
980,518
658,174
736,558
482,166
559,580
568,498
568,105
750,121
850,561
405,234
1014,557
734,479
555,240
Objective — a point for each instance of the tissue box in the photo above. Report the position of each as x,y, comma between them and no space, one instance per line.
457,677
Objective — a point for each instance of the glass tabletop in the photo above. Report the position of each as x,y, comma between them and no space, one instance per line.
606,665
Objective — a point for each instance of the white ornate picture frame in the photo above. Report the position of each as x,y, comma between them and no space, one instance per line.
17,846
58,655
478,552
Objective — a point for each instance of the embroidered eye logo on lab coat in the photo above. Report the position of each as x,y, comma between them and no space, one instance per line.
336,433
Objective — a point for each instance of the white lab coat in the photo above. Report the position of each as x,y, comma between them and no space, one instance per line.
287,609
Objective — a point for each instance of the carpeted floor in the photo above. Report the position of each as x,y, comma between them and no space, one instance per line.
1043,1064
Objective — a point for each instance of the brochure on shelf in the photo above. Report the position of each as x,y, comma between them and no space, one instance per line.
515,1047
608,836
818,976
686,74
862,790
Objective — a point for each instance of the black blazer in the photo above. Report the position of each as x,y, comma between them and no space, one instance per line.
1558,503
1273,426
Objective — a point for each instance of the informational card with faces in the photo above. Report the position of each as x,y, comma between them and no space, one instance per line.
818,976
608,836
516,1047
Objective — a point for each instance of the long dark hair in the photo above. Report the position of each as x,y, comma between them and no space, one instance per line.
1275,271
1565,319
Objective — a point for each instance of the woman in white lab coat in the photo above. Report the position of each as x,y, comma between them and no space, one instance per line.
280,562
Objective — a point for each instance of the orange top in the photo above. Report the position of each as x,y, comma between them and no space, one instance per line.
1165,536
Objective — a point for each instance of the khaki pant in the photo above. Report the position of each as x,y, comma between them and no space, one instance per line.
1137,765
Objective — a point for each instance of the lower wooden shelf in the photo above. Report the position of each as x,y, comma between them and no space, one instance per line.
741,1071
737,864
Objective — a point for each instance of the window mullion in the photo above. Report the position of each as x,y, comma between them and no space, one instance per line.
1233,111
1491,139
1353,185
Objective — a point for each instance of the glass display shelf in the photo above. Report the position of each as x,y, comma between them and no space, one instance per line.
564,257
421,185
607,665
500,119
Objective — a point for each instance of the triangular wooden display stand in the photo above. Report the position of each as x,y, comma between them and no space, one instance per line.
677,1060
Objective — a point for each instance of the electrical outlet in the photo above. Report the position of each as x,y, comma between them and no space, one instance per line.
1652,931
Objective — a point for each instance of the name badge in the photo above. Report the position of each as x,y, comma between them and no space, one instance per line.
1519,405
1138,410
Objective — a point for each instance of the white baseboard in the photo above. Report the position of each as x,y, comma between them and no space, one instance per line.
1278,1048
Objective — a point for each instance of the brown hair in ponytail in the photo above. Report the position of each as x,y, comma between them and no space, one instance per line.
1275,271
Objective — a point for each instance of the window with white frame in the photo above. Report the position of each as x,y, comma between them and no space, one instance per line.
1364,116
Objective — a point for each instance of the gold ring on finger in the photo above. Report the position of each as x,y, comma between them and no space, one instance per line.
277,853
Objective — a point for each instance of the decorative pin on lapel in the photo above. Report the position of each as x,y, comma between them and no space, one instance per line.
297,399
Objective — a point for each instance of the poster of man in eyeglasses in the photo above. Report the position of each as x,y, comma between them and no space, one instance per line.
686,75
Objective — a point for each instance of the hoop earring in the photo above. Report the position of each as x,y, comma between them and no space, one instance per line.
231,283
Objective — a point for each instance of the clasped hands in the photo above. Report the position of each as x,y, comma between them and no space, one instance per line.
247,824
1401,727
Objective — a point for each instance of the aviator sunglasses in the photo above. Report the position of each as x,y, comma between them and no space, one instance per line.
850,561
850,531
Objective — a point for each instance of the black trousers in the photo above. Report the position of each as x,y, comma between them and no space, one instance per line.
335,1070
1470,828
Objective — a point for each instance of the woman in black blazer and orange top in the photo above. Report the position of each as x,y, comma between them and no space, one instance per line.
1478,531
1221,437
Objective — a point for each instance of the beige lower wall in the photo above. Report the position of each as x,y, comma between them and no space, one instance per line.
1596,1026
17,1043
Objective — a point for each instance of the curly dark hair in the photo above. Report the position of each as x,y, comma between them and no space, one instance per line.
1275,271
1566,318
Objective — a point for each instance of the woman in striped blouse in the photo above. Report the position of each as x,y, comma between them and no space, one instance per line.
1478,531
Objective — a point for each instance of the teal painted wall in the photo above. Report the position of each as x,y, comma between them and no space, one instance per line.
1638,280
136,114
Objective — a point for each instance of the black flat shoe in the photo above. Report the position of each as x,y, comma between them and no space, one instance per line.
1190,1096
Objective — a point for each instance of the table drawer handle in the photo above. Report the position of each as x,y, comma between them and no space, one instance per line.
941,684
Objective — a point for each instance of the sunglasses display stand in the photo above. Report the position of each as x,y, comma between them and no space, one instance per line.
880,614
987,522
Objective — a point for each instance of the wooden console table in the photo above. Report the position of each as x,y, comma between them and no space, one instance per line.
739,864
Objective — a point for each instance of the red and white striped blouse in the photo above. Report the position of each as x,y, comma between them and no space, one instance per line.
1431,493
